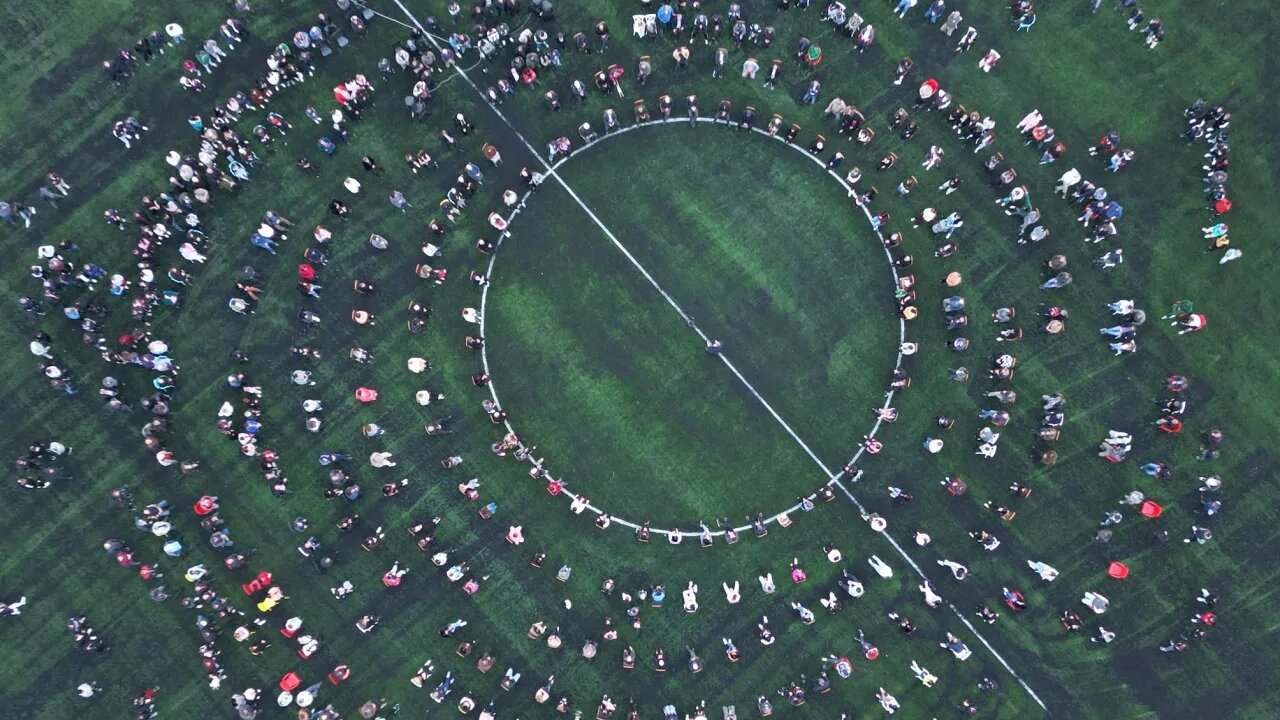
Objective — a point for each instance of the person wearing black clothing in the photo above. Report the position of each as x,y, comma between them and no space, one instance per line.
602,32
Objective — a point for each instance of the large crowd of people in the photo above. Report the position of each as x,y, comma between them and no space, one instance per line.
170,244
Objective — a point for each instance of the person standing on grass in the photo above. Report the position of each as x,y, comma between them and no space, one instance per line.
23,212
56,181
259,240
206,61
952,23
602,32
216,53
935,11
88,689
933,158
121,133
143,48
13,608
812,93
1154,31
145,704
48,195
113,71
174,31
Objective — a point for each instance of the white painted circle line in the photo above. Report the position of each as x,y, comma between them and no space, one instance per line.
484,297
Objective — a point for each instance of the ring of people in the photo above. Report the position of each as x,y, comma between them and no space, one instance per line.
579,503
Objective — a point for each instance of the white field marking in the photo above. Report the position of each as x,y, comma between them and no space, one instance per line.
832,478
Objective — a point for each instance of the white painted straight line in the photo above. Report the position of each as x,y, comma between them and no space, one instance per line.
831,478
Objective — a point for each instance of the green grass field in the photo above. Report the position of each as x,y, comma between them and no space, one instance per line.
765,251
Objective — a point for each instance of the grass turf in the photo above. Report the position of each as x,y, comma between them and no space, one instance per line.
1096,76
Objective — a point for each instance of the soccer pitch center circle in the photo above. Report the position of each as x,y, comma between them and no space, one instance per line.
596,509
